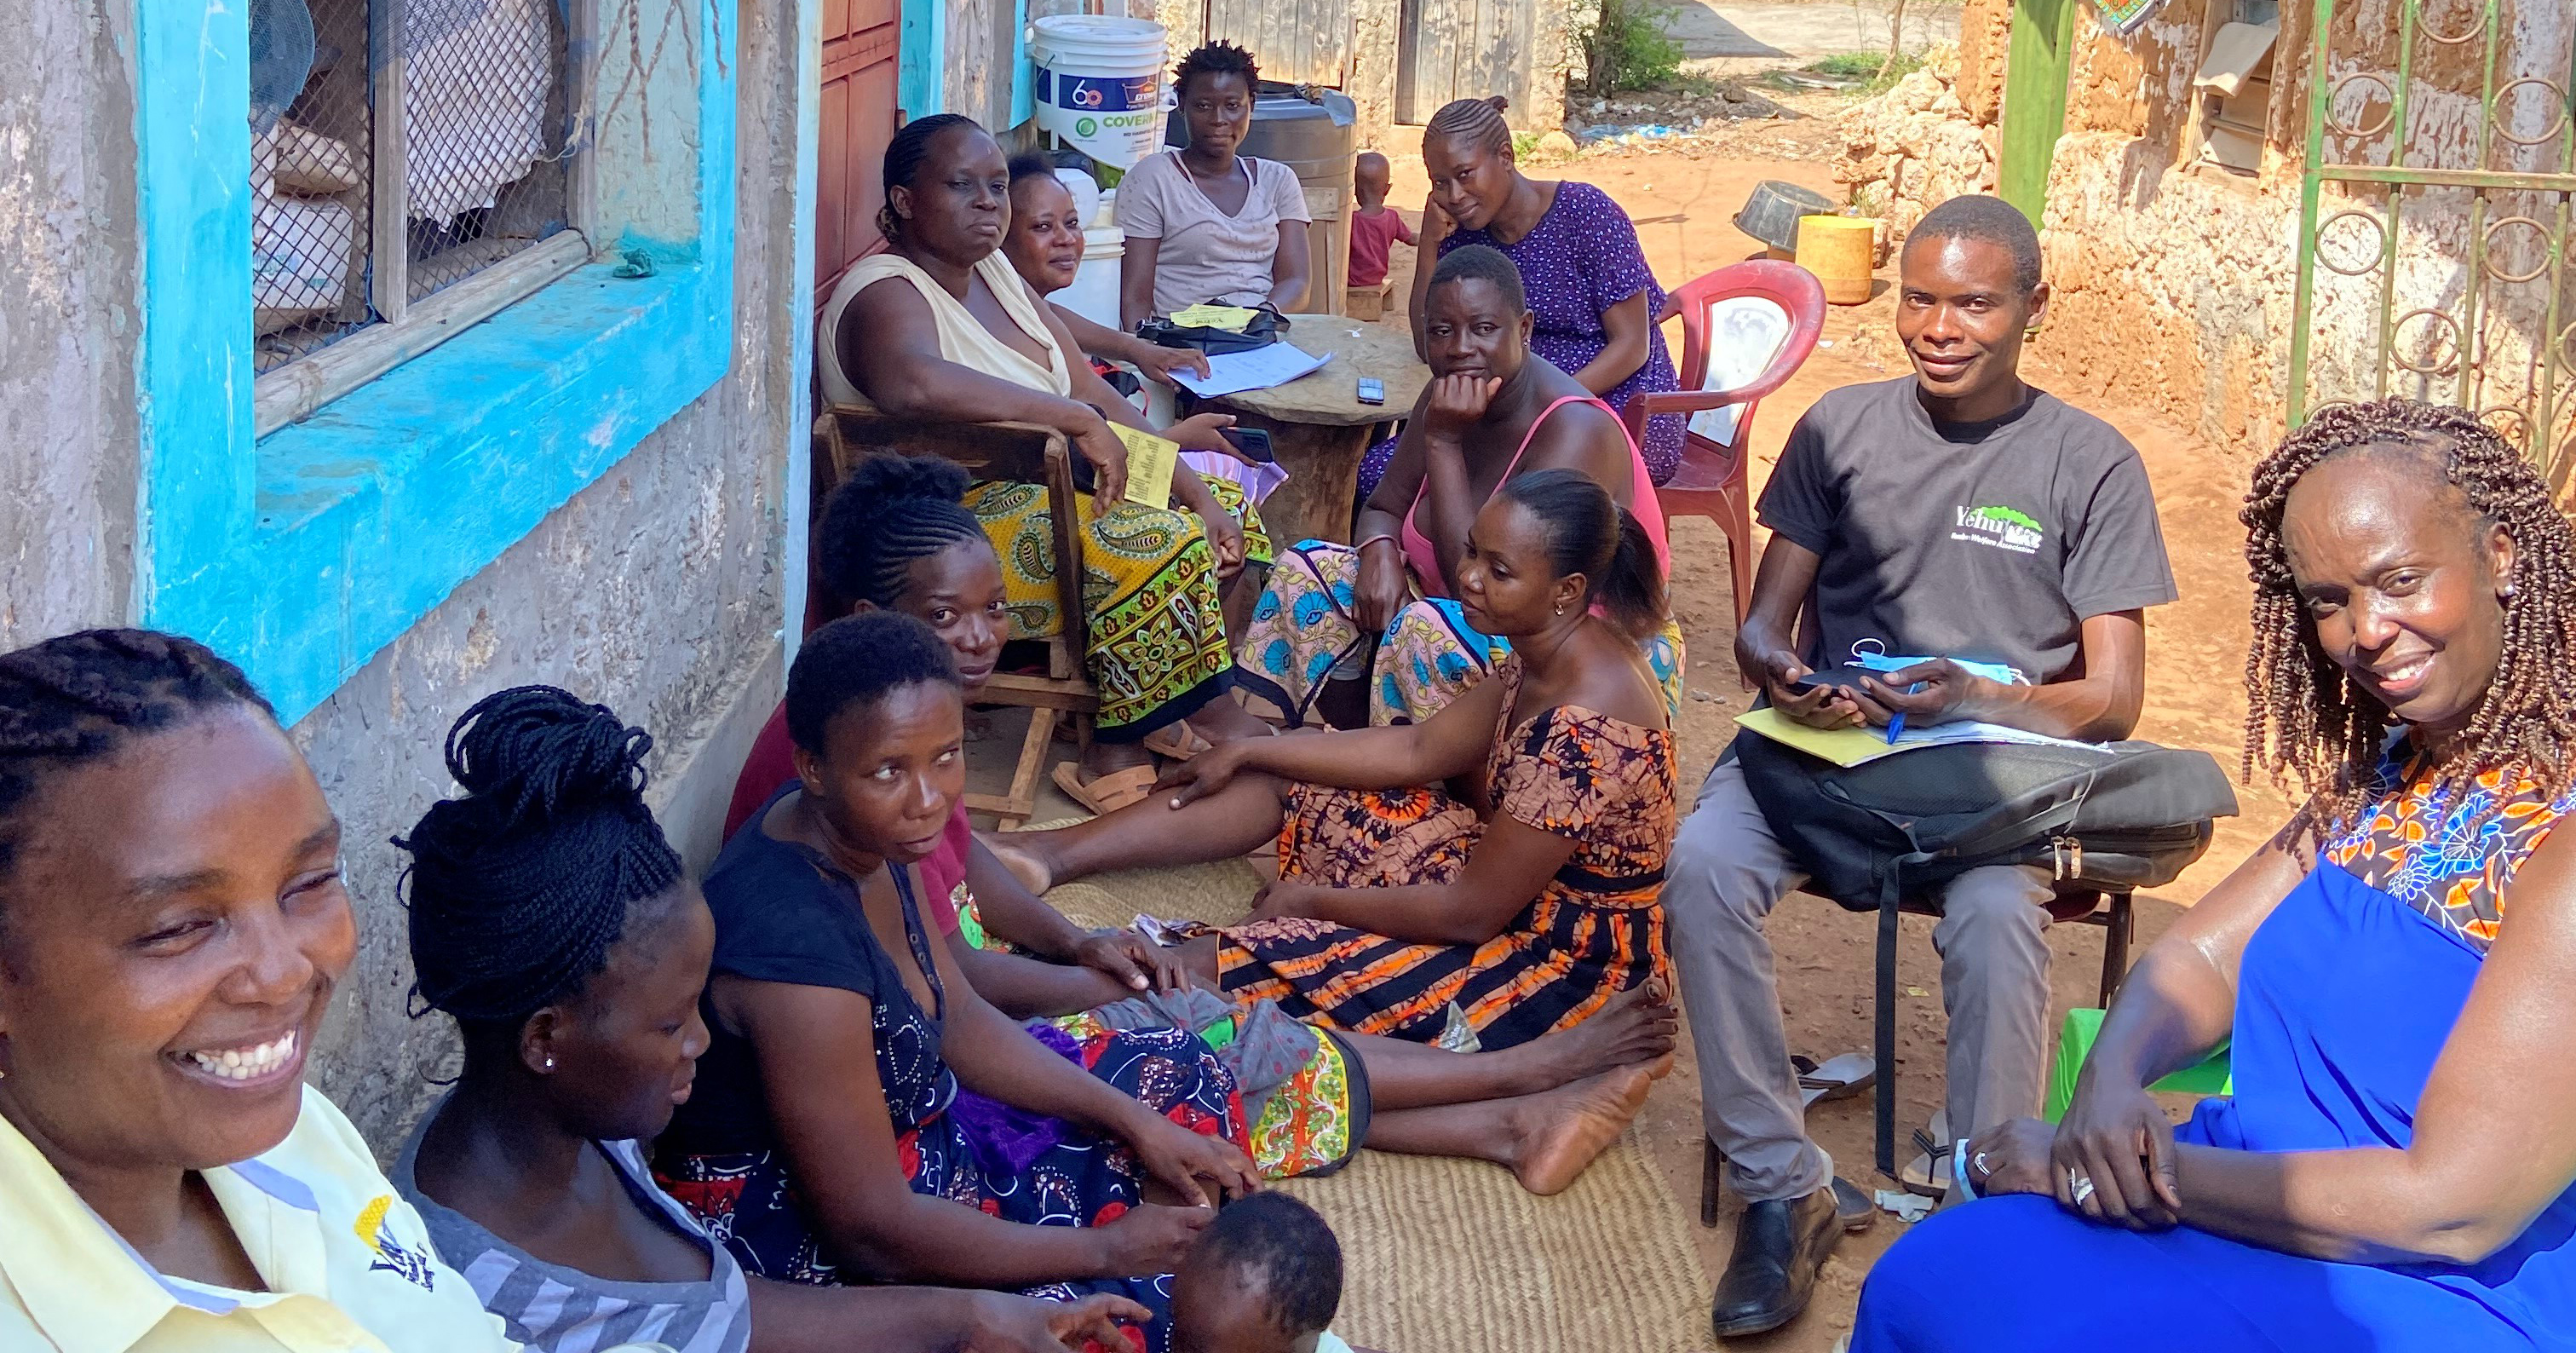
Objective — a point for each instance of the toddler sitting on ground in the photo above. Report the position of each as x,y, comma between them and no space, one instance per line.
1264,1277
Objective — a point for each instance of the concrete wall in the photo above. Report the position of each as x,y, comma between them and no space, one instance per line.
659,589
68,322
2175,283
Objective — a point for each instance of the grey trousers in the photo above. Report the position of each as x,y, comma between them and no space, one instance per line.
1726,874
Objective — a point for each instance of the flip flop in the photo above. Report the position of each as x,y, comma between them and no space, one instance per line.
1928,1174
1105,794
1178,741
1834,1078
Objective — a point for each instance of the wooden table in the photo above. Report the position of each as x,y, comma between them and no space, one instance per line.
1319,429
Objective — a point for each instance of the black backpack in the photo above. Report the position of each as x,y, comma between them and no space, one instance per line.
2127,815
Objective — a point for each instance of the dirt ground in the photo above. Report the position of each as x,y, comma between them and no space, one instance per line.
1681,203
2194,696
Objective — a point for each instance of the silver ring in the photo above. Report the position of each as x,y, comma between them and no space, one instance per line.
1979,1162
2080,1185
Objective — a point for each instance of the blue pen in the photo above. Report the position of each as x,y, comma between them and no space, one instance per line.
1896,722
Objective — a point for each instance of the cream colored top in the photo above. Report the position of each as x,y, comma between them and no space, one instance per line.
963,339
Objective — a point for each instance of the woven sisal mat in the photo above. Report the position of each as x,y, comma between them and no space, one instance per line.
1451,1256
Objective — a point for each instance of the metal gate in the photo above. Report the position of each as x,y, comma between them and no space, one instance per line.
2434,215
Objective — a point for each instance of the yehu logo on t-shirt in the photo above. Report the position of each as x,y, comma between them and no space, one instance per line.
2002,527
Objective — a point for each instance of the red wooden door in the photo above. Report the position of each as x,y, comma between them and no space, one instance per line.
859,45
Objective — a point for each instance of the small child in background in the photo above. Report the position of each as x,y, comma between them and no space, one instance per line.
1374,227
1264,1277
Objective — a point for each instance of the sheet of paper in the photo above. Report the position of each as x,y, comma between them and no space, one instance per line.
1231,318
1853,746
1149,465
1232,373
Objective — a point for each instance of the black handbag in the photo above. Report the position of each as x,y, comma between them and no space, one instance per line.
2123,816
1260,332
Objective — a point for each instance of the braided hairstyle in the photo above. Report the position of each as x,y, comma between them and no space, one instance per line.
2305,720
1216,58
519,888
903,159
1478,122
79,697
892,511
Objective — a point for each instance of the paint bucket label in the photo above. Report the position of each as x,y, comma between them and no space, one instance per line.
1098,94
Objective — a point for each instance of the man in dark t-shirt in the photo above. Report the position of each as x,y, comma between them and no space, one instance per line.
1954,514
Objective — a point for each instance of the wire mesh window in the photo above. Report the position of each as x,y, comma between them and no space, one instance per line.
357,212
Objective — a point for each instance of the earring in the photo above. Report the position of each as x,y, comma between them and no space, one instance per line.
1560,610
550,1064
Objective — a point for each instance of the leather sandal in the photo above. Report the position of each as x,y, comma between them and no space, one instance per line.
1178,741
1105,794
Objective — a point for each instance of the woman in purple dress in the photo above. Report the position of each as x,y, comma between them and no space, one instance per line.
1589,288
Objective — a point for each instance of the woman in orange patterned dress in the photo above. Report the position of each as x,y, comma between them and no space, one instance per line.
1501,860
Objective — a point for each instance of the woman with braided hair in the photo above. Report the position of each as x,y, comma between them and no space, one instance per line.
938,326
1594,298
551,919
172,927
826,1140
2394,1169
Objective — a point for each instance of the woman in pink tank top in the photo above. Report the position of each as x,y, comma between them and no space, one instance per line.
1335,614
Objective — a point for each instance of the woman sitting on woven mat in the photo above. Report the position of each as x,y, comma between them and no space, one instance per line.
939,326
1526,905
897,538
1493,409
2390,975
825,1139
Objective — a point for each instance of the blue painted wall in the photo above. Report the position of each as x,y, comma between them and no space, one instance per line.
304,553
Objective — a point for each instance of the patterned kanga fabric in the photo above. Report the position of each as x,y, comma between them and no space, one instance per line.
1595,930
1148,579
2450,860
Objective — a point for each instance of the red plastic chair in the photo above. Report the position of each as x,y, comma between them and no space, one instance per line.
1711,480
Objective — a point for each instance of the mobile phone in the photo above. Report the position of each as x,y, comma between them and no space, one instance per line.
1844,677
1252,442
1372,390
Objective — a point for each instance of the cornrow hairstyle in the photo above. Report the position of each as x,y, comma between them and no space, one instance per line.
1283,1249
904,156
1216,58
1589,533
519,887
77,698
1478,122
1029,164
892,511
1991,220
859,660
1482,263
2306,721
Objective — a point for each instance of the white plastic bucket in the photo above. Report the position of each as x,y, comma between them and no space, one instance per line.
1100,84
1094,292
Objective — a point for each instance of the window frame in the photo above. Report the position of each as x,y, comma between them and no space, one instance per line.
303,552
405,328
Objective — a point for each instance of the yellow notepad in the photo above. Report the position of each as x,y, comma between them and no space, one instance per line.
1149,465
1842,746
1231,318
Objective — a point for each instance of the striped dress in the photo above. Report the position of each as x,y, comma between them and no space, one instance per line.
553,1309
1596,929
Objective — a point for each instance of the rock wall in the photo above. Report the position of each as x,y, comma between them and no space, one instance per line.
2174,284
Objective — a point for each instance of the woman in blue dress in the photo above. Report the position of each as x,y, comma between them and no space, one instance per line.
2391,972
